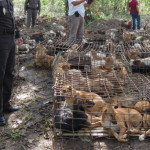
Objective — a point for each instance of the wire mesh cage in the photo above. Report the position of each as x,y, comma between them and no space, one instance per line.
102,100
136,56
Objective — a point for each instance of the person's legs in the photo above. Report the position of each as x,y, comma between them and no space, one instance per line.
34,16
9,74
29,16
74,24
138,22
133,21
5,42
80,31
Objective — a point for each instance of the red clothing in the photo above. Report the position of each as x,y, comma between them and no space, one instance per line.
133,5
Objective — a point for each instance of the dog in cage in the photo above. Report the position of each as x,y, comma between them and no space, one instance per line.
71,94
146,124
144,108
140,62
73,119
119,121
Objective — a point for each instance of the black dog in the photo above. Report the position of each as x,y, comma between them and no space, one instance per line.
69,120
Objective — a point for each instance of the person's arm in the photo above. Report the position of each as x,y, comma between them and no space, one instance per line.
129,8
88,4
19,40
25,6
137,8
39,6
75,3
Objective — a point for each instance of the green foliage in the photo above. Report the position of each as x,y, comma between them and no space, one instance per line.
15,134
53,8
99,9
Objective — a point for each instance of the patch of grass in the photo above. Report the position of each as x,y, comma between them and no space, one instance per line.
15,134
28,99
22,109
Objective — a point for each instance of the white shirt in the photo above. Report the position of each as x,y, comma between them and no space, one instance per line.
79,8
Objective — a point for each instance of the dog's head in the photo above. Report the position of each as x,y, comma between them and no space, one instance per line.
82,105
95,107
142,106
69,93
108,112
68,90
86,103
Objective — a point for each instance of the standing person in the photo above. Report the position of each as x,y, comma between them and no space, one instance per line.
8,33
32,7
76,18
134,11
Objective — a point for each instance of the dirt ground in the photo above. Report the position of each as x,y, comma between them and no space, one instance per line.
31,128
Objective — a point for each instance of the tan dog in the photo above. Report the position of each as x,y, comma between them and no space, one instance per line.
120,120
71,94
141,106
146,125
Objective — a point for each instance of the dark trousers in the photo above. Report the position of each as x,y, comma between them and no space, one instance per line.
135,17
7,63
31,16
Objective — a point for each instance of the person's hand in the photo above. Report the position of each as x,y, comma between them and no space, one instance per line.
19,41
90,2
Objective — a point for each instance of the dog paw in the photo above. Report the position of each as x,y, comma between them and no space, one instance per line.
123,140
125,136
142,137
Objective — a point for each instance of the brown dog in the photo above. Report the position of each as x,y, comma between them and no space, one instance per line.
86,97
146,125
143,107
121,119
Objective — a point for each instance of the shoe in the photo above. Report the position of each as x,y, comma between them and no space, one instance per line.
2,120
10,109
